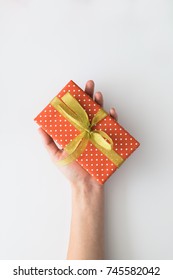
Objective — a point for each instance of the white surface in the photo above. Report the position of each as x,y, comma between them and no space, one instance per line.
127,48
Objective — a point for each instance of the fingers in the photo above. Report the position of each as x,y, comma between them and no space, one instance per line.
99,98
113,113
89,88
49,143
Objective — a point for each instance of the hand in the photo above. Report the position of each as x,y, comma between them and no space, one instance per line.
73,171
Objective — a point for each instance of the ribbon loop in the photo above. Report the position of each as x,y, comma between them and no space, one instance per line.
75,106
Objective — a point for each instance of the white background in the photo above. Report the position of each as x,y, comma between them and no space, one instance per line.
126,47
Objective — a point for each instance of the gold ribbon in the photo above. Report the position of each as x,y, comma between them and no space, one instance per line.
71,109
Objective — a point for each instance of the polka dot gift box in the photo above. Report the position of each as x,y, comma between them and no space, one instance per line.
86,132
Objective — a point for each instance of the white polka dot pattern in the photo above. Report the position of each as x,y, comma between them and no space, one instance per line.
92,159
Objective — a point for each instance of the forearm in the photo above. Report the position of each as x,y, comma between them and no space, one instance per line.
87,224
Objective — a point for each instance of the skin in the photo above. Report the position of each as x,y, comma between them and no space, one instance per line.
87,223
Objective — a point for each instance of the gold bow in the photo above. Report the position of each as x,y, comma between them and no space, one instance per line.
71,109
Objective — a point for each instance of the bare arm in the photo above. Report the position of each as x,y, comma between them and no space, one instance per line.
87,223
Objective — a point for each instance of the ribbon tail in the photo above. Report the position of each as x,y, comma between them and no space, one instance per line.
74,149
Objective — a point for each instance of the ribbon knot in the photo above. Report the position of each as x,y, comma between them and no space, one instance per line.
71,109
88,130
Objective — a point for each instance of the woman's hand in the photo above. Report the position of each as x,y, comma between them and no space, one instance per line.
73,171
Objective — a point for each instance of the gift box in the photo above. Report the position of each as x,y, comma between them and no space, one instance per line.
88,134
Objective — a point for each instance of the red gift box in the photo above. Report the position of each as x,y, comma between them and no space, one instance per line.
63,131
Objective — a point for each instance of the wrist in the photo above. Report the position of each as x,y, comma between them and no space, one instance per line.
87,195
87,186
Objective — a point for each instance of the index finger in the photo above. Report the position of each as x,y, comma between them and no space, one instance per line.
89,88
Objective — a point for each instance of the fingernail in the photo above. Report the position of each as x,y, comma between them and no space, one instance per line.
98,94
